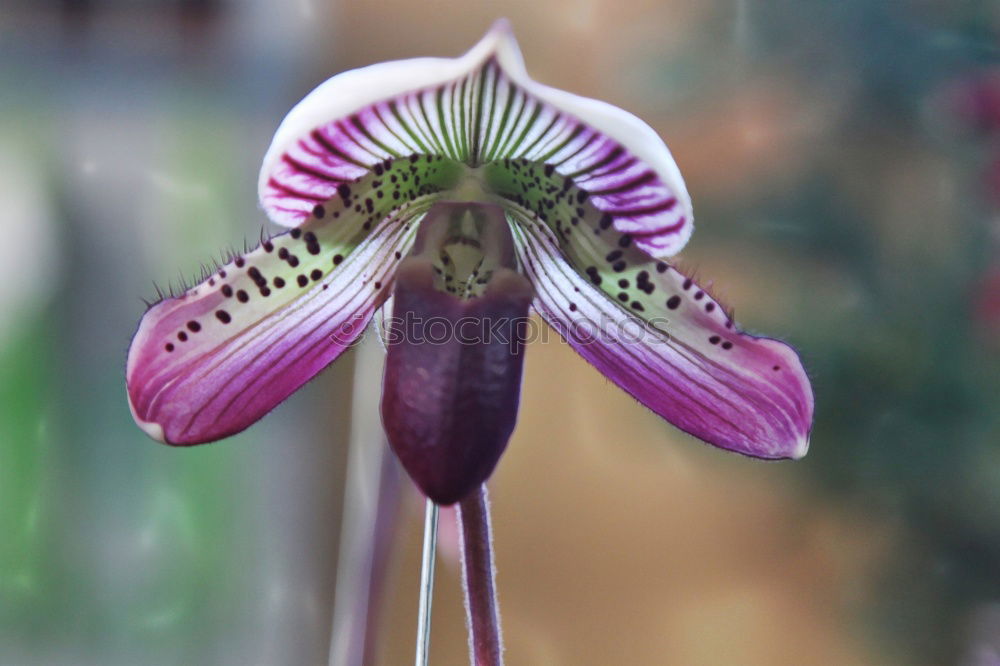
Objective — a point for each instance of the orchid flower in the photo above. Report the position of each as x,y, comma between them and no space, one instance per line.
595,205
464,189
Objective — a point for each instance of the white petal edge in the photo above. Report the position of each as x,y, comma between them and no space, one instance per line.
151,428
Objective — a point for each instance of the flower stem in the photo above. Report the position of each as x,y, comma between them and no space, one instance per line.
427,583
482,611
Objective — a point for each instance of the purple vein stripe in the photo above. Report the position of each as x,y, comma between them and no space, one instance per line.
315,173
293,192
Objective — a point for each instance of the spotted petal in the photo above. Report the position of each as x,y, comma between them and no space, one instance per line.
479,109
213,360
662,338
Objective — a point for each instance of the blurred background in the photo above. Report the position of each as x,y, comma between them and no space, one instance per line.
844,160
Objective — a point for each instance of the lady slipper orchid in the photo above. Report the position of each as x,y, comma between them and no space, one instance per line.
569,203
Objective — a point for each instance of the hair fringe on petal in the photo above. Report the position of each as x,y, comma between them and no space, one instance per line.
206,270
690,271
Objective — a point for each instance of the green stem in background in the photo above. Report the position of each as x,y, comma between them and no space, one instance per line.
482,610
427,584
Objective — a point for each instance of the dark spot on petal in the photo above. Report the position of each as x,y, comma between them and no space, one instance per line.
223,316
727,345
242,296
614,255
776,368
593,275
182,336
625,241
239,261
709,307
227,291
673,302
302,280
337,258
295,233
343,190
283,253
687,283
319,210
698,295
169,346
279,282
623,283
714,339
572,307
378,285
618,266
193,326
623,297
316,274
661,267
256,276
265,292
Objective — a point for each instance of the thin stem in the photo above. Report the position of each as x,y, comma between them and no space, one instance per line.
482,611
427,584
